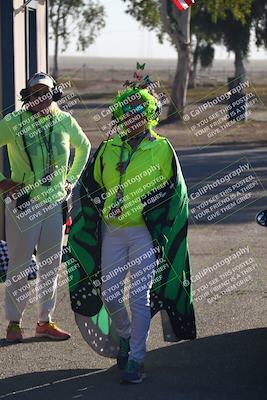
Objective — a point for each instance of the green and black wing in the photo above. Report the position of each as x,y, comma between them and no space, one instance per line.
84,270
166,213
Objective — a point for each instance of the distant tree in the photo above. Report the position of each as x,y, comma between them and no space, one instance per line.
232,28
205,34
82,19
259,11
226,29
147,13
177,25
164,17
236,38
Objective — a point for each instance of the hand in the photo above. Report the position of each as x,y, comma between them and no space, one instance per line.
11,187
68,188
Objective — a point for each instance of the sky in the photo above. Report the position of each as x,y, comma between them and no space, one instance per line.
123,36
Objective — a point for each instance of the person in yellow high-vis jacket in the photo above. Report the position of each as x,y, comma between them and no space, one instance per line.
38,139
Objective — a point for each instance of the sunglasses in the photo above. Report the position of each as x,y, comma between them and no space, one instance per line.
139,109
40,93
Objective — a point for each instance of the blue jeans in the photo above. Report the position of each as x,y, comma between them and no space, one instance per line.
129,249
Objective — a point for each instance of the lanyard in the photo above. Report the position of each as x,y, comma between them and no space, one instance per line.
124,165
26,149
117,206
47,142
48,145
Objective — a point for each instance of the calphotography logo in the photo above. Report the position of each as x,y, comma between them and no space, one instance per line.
183,4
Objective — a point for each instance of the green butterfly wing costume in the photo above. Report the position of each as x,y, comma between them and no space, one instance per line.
166,216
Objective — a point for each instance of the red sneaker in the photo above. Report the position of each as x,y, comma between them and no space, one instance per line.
50,330
14,332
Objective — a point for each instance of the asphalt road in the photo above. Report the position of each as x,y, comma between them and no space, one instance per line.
228,359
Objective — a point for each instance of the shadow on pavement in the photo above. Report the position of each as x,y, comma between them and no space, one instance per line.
34,339
231,366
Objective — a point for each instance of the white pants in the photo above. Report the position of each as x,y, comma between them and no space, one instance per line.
128,249
41,228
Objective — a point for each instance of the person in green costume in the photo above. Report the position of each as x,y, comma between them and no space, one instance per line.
133,219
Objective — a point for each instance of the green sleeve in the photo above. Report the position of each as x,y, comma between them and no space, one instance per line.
165,159
82,147
5,138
